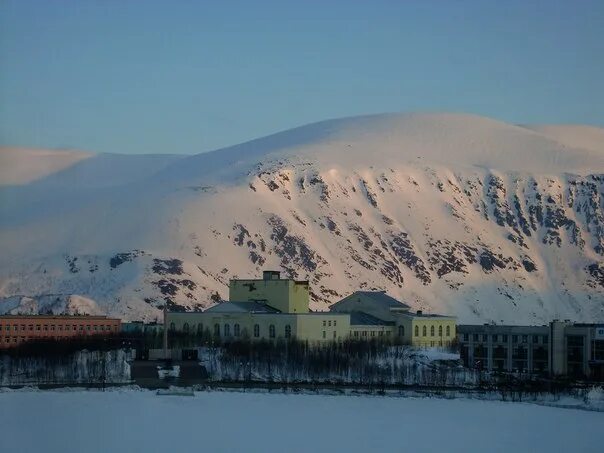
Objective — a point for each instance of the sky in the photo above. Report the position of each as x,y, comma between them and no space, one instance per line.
127,76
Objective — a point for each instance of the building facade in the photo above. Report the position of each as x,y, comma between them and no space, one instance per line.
559,349
273,308
17,329
396,320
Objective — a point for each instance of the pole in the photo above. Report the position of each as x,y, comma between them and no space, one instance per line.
166,332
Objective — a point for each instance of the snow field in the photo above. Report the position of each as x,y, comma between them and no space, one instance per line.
132,421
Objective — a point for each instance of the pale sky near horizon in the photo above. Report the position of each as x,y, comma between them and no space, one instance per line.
192,76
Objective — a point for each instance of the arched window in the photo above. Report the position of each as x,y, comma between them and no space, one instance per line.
172,327
271,331
227,330
236,330
448,331
288,331
440,331
256,330
424,331
217,330
417,331
185,327
401,331
431,331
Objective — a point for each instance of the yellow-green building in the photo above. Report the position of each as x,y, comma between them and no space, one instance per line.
270,308
374,311
273,308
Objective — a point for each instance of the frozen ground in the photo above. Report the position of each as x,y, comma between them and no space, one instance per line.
133,421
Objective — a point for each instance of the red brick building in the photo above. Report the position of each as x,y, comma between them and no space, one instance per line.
16,329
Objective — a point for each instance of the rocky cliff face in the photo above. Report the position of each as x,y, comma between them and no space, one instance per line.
451,213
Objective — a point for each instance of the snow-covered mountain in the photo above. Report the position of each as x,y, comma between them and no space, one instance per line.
449,212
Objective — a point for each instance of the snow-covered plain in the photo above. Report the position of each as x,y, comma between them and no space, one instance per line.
140,421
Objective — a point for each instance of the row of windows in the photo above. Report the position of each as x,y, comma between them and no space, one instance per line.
328,323
52,327
504,338
8,340
226,330
401,333
365,333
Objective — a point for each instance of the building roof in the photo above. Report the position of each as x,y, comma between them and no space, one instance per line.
426,315
383,299
241,307
359,318
76,317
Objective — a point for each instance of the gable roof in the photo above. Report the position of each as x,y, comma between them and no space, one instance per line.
359,318
381,298
241,307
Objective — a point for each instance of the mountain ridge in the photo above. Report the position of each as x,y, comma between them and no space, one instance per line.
452,213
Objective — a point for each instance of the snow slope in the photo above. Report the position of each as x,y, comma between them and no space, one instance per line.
21,165
126,421
449,212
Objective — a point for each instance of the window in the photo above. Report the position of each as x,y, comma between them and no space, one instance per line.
465,335
172,327
440,331
448,330
424,331
74,327
256,330
102,328
401,331
288,331
545,339
485,338
200,329
417,331
495,338
61,328
364,333
514,338
185,327
535,339
373,333
227,330
324,323
475,337
271,331
524,338
15,327
52,327
96,327
329,323
431,331
505,338
30,327
334,322
324,333
45,327
381,333
22,326
217,330
356,334
236,330
87,327
7,328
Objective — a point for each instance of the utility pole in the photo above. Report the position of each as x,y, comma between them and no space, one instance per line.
165,331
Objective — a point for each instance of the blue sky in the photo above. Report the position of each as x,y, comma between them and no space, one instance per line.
191,76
